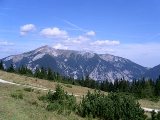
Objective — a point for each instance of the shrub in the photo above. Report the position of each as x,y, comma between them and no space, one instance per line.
17,95
155,116
59,100
158,116
29,89
112,107
53,106
43,98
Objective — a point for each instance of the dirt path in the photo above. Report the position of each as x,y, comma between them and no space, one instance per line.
7,82
39,88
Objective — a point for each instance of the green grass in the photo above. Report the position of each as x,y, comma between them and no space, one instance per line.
28,108
18,94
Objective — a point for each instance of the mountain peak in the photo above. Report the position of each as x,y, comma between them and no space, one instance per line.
45,47
78,64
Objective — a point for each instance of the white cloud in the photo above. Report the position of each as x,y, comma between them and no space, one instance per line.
54,33
27,28
6,43
60,46
105,42
77,40
91,33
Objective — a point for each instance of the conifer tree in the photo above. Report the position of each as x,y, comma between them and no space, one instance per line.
50,74
147,91
1,65
43,73
11,68
157,87
37,73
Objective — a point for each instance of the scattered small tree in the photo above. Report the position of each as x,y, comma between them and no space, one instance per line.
60,100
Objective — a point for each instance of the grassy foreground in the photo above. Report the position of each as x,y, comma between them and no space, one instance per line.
30,108
27,108
76,90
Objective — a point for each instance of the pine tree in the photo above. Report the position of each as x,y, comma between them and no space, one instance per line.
29,72
157,87
147,91
1,65
43,73
11,68
87,81
58,77
50,74
123,86
22,70
37,73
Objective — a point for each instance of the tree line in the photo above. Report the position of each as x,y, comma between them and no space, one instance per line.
140,88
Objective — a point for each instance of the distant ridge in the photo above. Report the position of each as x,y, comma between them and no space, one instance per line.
153,73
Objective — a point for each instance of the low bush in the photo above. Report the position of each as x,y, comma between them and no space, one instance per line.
17,94
59,101
29,89
112,107
53,106
154,116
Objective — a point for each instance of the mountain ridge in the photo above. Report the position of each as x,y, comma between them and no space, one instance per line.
153,73
78,64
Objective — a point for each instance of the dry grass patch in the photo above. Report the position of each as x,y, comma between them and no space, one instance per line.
20,79
149,104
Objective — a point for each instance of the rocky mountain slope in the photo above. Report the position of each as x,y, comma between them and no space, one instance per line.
153,73
78,64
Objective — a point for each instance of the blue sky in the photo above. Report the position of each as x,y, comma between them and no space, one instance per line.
126,28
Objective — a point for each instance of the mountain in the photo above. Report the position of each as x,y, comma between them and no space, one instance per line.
153,73
78,64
